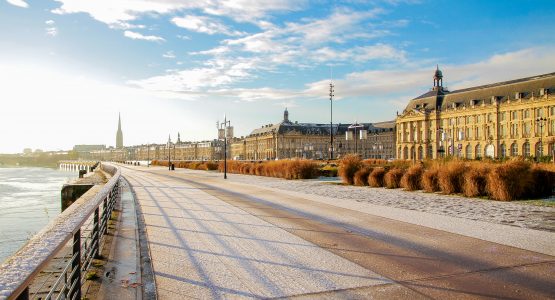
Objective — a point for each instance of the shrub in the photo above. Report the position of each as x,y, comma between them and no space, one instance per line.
392,179
509,181
348,166
411,180
430,182
376,178
475,180
451,177
544,182
361,176
210,165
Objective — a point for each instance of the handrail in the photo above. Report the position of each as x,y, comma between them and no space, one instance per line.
18,271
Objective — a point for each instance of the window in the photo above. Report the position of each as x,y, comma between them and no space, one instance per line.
468,119
514,130
539,112
527,114
502,116
514,149
468,152
526,149
478,119
478,153
503,149
526,129
515,115
490,117
503,131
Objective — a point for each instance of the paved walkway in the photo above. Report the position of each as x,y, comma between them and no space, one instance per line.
214,239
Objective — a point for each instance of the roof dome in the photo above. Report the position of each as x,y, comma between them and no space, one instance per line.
438,73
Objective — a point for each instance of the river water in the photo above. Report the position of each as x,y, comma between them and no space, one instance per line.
29,199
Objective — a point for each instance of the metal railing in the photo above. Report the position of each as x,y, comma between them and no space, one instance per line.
80,228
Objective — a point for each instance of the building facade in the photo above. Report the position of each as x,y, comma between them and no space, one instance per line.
505,119
287,140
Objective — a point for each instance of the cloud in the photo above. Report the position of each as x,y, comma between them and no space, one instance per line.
217,73
204,25
138,36
169,54
410,82
51,30
123,11
19,3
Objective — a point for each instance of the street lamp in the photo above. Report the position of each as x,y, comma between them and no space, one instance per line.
331,119
541,122
355,126
223,129
169,147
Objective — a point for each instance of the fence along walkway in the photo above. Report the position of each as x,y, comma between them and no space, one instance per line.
70,227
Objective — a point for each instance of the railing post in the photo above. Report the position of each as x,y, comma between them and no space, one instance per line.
76,266
105,216
96,235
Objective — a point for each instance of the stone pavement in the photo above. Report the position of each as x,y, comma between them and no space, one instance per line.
214,239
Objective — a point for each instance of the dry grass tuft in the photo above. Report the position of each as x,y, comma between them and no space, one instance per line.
348,166
451,177
430,181
509,181
361,176
412,179
392,179
376,178
475,180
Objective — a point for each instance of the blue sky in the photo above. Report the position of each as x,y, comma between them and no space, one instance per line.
69,66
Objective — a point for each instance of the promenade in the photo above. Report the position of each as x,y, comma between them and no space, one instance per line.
240,238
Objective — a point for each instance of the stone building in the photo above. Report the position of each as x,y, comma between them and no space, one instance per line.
288,139
512,118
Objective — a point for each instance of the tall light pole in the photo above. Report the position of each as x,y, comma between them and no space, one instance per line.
169,146
541,121
148,155
331,116
222,134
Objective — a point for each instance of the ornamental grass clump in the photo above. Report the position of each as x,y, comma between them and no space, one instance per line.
411,180
361,176
430,181
451,177
392,179
475,180
376,178
510,181
348,166
544,182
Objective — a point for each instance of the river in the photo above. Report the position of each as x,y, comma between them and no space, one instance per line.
29,199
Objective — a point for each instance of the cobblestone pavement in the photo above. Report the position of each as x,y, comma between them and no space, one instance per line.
507,213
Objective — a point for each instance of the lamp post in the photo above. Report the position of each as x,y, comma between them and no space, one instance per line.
169,147
541,121
148,155
331,119
222,134
355,126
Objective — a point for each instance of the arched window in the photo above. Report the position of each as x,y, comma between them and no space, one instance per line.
400,153
526,149
478,152
514,149
420,152
503,149
406,153
468,152
430,152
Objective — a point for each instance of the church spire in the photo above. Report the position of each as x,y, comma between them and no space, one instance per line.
286,116
119,134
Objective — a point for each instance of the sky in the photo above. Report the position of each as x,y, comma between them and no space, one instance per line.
68,67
